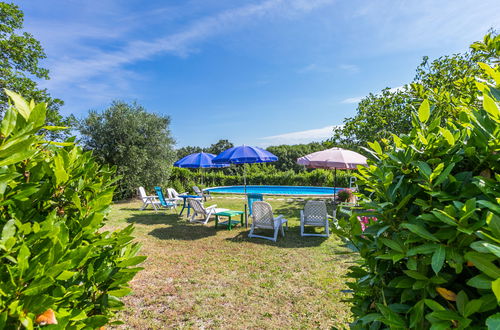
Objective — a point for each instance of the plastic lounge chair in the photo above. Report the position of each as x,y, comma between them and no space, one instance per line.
201,193
173,194
200,210
148,200
166,203
314,214
262,218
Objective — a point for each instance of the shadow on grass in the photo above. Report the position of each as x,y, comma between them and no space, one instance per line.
292,238
177,228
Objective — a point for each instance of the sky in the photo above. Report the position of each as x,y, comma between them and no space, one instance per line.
255,72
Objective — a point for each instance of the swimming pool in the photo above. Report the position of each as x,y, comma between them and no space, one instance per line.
277,190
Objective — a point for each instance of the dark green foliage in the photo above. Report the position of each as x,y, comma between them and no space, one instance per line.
20,55
432,260
54,253
447,82
288,154
138,143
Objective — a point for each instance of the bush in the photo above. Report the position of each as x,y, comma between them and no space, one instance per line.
54,256
184,179
432,258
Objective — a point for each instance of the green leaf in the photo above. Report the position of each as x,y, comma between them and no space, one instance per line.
495,286
492,248
432,304
59,171
131,261
120,292
493,322
424,169
420,231
427,248
392,244
480,281
416,275
424,111
481,262
375,147
472,307
438,259
8,230
448,136
490,106
38,115
20,103
8,122
391,318
462,301
444,217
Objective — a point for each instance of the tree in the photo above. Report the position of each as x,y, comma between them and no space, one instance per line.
219,146
288,154
447,82
20,56
137,142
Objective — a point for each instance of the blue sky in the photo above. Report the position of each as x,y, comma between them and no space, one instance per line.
260,72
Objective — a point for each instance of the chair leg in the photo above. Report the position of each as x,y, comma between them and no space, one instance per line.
327,228
276,230
302,228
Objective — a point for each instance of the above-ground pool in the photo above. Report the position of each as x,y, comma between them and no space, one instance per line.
277,190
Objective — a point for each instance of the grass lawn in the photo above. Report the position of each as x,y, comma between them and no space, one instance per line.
197,276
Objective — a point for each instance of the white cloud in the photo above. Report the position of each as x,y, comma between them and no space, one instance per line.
352,100
350,68
311,135
99,62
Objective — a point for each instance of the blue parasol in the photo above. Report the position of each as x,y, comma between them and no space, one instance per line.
244,155
199,160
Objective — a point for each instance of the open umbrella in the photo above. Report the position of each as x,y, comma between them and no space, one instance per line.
336,158
244,155
198,160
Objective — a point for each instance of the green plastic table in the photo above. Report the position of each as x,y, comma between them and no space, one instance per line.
229,223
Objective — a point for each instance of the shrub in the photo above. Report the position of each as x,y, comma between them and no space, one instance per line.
432,258
344,195
55,258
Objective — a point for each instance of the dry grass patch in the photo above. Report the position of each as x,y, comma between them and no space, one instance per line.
197,276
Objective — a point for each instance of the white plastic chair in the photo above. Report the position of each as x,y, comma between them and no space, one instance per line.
148,200
173,194
314,214
199,210
262,218
201,193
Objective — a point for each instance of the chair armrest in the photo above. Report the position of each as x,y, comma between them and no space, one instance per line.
211,206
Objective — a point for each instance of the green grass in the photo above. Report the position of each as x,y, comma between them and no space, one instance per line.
197,276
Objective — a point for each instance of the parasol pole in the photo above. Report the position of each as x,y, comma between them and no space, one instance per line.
334,185
246,197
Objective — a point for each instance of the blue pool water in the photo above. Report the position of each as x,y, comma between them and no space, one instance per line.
277,190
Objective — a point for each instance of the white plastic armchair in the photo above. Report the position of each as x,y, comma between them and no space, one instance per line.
174,195
199,210
201,193
148,200
314,214
262,218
